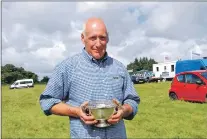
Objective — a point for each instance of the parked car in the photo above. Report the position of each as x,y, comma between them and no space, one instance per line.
24,83
146,76
134,79
189,86
143,75
153,78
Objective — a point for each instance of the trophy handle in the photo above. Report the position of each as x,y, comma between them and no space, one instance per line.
118,105
86,110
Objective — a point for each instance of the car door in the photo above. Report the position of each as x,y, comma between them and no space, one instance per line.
16,85
192,90
201,89
179,86
189,87
22,84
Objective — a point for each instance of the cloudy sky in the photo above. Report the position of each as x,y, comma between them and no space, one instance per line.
39,35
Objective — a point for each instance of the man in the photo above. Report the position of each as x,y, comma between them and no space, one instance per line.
91,75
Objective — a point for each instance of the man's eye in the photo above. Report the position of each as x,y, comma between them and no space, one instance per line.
103,38
93,38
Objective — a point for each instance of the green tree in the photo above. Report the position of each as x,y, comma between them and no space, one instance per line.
10,73
45,79
144,63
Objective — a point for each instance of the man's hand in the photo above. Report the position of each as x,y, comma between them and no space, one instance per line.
118,115
85,115
122,111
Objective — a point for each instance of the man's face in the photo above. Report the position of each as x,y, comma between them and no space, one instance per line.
95,40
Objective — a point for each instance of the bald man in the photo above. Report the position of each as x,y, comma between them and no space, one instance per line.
91,75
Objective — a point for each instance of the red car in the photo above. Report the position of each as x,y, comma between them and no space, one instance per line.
189,86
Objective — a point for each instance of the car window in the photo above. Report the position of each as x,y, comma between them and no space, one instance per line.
192,78
204,74
181,78
22,82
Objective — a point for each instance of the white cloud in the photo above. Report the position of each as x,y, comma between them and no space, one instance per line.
38,35
86,6
4,38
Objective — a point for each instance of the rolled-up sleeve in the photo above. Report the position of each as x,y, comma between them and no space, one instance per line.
131,97
55,91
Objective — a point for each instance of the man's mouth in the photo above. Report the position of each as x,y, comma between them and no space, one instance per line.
96,51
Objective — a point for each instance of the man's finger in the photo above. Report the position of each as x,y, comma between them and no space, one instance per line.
113,121
87,118
90,122
117,115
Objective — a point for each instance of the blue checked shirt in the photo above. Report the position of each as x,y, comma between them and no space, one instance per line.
81,78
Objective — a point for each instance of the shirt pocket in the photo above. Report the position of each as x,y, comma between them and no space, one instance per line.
114,85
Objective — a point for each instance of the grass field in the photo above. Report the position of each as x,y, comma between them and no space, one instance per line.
158,117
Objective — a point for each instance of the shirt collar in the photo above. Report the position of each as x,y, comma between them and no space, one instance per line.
90,58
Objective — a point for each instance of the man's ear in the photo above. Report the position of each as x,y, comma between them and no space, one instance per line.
82,38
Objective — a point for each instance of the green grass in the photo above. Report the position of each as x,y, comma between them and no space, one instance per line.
158,117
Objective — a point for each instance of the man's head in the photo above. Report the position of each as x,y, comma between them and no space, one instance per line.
95,37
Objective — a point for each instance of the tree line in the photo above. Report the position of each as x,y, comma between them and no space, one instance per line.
10,73
143,63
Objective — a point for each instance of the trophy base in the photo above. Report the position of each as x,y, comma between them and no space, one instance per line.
102,123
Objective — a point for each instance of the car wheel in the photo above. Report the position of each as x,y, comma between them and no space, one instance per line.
173,96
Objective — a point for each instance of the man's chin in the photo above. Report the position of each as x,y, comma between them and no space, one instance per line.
97,56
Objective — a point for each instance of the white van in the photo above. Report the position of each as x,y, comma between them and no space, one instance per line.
24,83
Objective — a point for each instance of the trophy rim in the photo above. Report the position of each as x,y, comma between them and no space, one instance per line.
101,104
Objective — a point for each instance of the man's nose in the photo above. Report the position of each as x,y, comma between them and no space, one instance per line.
98,42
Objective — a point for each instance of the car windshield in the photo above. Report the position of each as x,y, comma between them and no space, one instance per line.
204,74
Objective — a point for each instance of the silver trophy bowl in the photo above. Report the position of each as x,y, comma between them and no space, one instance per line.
102,110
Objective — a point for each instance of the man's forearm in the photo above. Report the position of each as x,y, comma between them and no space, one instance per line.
64,109
127,110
